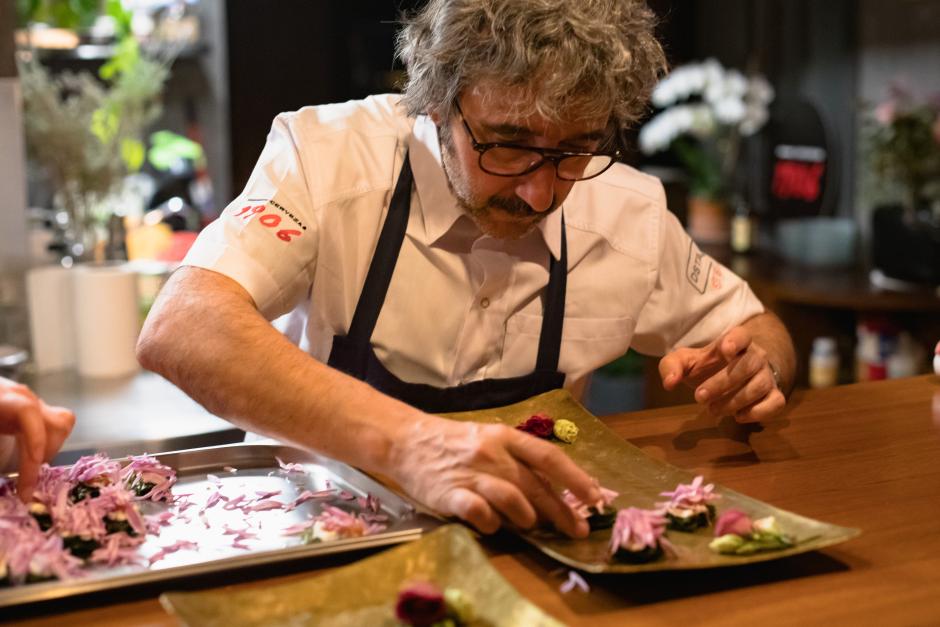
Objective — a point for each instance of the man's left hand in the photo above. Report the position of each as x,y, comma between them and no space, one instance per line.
731,376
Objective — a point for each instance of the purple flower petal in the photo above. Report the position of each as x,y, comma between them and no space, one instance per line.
574,581
291,467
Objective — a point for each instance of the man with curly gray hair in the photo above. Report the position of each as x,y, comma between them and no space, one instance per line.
469,244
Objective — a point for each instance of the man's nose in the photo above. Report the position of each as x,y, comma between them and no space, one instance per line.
537,188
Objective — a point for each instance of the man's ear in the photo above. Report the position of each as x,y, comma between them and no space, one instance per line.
435,116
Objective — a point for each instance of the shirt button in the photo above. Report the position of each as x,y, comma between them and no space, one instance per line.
484,302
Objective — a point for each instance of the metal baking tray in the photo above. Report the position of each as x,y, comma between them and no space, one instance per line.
250,469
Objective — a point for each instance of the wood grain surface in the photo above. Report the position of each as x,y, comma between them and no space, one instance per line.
864,456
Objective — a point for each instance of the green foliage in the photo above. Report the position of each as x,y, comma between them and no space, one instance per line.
122,17
87,134
904,148
629,364
167,148
125,59
73,14
705,175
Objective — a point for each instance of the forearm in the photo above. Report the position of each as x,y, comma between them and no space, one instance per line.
205,335
769,333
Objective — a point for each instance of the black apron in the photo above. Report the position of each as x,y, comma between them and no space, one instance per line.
354,355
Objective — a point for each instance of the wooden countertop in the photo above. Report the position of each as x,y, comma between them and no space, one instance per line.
864,456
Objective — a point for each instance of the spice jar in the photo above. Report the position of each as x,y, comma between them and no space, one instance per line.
824,363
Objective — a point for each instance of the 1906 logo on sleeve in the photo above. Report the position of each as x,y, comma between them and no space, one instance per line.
271,220
697,268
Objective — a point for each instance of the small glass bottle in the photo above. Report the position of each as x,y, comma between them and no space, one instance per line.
742,227
824,363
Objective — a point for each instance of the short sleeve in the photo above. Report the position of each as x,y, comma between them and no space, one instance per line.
267,238
694,299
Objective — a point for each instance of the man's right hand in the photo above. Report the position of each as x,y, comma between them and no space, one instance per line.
484,473
242,368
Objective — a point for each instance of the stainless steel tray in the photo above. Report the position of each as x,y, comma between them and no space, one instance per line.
238,469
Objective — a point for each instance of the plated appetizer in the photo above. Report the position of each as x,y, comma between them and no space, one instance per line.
80,514
690,505
599,515
638,537
737,534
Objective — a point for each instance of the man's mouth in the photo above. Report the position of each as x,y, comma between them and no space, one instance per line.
515,208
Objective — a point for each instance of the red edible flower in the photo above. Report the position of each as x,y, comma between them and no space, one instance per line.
539,425
421,604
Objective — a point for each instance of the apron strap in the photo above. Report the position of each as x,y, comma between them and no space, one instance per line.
553,313
379,277
384,259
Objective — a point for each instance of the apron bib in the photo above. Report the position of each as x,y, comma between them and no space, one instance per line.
354,355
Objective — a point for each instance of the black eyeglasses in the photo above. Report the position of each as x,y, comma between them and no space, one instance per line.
505,159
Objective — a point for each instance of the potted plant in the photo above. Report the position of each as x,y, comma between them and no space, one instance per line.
86,132
902,140
705,111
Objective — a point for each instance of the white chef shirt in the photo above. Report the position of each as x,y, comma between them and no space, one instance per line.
462,306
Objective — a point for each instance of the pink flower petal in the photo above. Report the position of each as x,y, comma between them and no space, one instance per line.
733,521
263,506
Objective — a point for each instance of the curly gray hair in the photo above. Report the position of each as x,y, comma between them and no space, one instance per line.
571,58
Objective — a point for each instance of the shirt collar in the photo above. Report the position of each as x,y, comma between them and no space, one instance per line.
439,208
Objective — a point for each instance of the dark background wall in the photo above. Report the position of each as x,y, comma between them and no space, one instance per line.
318,51
305,52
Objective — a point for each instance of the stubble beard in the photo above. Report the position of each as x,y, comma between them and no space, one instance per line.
522,218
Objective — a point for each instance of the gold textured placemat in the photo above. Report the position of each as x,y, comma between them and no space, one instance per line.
365,593
639,479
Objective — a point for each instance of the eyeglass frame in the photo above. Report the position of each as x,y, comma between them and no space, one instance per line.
552,155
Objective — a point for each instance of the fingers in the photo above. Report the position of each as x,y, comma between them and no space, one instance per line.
674,367
756,388
733,376
548,460
734,342
551,507
757,399
473,508
39,429
28,474
20,415
691,365
694,365
59,424
507,499
528,498
772,405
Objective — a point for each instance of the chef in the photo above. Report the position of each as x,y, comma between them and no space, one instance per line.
467,244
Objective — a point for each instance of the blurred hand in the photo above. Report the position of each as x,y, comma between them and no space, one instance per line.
731,376
483,473
39,429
